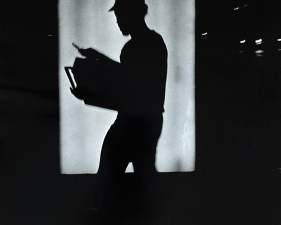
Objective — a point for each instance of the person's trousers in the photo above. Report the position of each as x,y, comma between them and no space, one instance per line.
132,138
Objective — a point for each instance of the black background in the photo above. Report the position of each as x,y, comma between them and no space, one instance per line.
237,122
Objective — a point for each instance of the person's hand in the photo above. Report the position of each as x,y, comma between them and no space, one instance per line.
90,53
78,93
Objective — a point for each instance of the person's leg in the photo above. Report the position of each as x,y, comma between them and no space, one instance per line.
146,144
113,164
144,161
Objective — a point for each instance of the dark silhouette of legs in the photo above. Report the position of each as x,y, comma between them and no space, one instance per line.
132,138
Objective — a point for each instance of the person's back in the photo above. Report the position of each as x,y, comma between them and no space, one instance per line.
143,76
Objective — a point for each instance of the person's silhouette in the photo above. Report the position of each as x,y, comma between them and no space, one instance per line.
138,90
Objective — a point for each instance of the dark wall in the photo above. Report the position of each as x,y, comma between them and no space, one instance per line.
237,87
29,44
29,113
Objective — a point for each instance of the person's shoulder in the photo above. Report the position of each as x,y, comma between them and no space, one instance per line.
156,36
157,41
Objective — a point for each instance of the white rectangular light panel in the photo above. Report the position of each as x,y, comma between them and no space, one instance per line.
82,128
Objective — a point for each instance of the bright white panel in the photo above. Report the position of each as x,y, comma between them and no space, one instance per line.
89,24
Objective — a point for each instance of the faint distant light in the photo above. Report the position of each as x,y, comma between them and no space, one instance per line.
279,39
236,8
259,51
241,51
204,33
49,35
259,41
243,41
246,5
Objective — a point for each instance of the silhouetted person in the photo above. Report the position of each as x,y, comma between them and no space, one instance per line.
138,92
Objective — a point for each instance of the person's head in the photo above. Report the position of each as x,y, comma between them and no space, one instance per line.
129,14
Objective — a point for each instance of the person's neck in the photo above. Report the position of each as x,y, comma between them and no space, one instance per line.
140,31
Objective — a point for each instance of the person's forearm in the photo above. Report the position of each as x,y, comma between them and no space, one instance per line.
96,55
110,62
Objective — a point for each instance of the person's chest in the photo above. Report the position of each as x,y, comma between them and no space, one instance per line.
135,53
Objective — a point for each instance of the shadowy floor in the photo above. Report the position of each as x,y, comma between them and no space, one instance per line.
178,199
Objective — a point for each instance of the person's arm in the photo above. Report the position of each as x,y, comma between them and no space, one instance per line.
94,54
111,74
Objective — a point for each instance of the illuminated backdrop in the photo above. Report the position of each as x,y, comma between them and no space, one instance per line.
89,24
